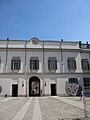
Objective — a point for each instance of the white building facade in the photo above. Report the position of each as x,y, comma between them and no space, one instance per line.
36,67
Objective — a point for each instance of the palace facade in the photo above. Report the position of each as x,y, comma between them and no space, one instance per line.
39,67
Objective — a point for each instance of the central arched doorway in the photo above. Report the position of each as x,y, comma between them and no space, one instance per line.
34,86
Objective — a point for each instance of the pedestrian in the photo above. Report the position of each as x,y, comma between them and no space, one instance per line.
81,95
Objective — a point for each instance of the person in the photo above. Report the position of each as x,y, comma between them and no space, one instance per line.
81,95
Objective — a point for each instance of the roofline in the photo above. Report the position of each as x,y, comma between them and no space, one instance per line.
42,41
46,41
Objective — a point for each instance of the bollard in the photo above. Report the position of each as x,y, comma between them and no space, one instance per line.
5,95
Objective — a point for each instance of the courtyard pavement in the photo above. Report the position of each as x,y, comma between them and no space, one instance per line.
41,108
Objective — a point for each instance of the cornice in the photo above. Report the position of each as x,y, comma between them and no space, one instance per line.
50,73
47,49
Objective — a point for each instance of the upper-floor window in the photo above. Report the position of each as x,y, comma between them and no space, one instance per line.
73,80
0,61
15,63
85,65
71,62
52,63
86,82
34,63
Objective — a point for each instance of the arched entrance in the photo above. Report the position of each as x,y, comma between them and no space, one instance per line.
34,86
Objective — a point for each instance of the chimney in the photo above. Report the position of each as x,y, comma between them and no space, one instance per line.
61,40
80,44
7,38
87,44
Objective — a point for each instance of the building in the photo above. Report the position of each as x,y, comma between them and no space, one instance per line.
35,67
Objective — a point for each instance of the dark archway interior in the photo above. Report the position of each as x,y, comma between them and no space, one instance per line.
34,86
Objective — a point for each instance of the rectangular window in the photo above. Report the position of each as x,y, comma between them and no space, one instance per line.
0,61
86,82
15,64
73,80
34,63
71,62
85,65
52,63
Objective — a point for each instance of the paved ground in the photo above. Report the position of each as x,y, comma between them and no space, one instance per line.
41,108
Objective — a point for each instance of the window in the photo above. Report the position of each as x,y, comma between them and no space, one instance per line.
34,63
52,63
71,64
15,64
86,82
0,61
85,65
73,80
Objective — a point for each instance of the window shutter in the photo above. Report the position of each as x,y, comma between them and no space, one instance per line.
56,64
11,64
85,65
0,61
49,64
75,64
37,64
82,64
88,65
30,64
19,64
68,63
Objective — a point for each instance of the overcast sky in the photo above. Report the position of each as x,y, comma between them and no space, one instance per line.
45,19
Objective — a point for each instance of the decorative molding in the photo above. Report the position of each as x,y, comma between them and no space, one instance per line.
35,40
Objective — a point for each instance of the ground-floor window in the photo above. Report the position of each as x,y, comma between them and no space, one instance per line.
73,80
86,82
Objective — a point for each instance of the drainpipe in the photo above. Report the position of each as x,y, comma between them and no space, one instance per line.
43,71
6,55
25,65
61,55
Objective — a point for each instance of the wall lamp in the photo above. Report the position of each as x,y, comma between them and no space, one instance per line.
45,83
22,83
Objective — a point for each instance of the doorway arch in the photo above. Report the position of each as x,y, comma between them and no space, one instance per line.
34,86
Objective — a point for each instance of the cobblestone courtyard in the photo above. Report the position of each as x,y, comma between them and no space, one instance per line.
40,108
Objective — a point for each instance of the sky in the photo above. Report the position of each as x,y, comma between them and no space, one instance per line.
45,19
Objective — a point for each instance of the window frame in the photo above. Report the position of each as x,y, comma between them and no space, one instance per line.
15,64
52,64
85,65
34,63
71,64
73,80
0,61
86,82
